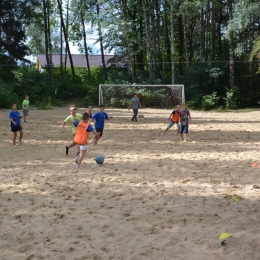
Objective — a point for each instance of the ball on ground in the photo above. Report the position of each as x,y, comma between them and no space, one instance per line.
99,159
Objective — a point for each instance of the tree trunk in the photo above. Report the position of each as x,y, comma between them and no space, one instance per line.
61,51
66,40
128,46
101,41
202,35
84,37
213,32
231,48
46,39
148,39
172,43
185,40
180,45
49,40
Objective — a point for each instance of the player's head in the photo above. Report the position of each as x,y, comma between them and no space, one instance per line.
89,108
183,105
14,106
26,97
85,117
101,108
178,107
73,110
135,95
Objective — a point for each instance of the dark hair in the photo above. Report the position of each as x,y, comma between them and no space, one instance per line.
101,105
13,104
135,94
85,116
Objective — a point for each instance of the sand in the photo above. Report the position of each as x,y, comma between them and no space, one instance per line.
153,198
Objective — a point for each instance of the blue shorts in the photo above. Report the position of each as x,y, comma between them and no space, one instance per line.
184,129
171,124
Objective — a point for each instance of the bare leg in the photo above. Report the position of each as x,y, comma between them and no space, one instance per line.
178,130
95,140
14,138
80,157
184,137
21,136
68,147
24,118
165,131
78,149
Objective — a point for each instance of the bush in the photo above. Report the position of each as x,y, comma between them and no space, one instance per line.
232,98
7,96
210,101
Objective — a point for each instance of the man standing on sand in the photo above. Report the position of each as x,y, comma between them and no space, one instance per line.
134,104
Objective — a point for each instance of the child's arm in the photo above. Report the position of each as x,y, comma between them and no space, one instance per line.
109,118
190,118
130,105
62,126
140,104
12,121
170,116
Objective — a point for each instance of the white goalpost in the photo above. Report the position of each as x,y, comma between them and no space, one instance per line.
153,96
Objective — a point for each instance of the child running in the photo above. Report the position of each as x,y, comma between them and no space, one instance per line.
16,124
81,138
174,119
74,117
100,118
25,107
184,121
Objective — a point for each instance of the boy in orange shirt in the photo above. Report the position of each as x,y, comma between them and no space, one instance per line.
174,119
81,137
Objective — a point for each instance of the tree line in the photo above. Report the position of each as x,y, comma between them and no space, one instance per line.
212,47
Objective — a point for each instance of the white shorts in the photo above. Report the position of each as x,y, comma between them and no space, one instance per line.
83,147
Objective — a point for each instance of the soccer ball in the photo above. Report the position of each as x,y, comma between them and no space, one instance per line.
99,159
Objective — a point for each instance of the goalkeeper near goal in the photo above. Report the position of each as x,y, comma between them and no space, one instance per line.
134,104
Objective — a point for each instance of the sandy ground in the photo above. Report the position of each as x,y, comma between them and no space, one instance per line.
153,198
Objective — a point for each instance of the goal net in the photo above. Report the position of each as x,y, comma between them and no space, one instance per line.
153,96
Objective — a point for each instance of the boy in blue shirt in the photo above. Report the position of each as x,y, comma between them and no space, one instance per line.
16,124
100,118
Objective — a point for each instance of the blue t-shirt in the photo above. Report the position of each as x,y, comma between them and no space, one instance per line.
15,116
100,119
89,129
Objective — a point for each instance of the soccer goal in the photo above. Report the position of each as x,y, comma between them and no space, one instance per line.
153,96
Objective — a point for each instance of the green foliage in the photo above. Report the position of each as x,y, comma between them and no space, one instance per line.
7,96
210,101
232,98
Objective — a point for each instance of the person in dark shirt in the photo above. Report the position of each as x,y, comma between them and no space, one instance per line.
184,121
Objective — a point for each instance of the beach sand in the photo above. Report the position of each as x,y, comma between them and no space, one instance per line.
153,198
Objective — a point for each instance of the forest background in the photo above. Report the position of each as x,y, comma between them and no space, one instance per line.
212,47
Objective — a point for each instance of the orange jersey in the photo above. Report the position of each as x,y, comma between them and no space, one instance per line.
175,116
81,136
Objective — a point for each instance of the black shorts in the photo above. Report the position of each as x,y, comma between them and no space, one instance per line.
16,129
100,131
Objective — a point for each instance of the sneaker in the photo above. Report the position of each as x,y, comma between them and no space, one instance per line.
77,167
76,160
78,153
67,150
132,119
